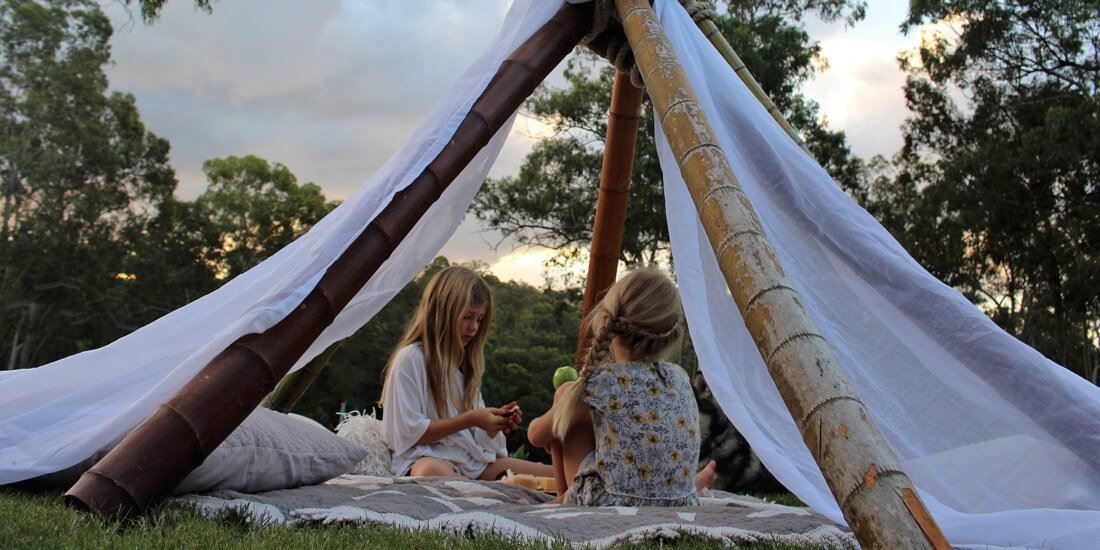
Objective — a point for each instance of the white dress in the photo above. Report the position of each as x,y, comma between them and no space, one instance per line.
409,409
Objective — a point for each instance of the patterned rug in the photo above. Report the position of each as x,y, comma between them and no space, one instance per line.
462,506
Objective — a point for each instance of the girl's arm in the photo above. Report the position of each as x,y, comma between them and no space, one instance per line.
406,419
540,431
489,419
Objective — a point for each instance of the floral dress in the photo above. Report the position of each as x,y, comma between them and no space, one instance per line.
646,425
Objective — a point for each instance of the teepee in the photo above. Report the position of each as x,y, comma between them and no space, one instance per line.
868,388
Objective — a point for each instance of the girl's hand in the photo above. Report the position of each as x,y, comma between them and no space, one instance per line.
490,419
514,415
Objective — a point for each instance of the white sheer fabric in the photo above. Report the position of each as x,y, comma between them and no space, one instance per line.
56,415
1003,444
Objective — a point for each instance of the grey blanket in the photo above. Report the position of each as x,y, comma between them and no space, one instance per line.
463,506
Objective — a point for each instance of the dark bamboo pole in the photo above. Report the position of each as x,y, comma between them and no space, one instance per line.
875,495
162,450
294,385
607,231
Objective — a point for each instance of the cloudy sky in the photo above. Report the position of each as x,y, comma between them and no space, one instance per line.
331,88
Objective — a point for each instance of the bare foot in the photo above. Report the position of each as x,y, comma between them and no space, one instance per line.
705,478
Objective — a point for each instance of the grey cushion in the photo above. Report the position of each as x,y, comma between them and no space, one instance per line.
268,451
271,450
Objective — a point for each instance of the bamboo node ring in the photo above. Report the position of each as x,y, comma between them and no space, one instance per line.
752,301
861,484
814,410
790,340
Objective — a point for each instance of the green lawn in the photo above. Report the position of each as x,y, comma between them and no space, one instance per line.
41,520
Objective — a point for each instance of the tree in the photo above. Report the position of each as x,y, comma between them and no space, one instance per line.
150,9
93,244
551,202
995,190
77,171
257,209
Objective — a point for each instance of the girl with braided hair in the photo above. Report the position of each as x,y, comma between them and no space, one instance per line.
434,419
626,433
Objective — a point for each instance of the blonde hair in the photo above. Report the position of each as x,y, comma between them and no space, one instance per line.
643,310
445,300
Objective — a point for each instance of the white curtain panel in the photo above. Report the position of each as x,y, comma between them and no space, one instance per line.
1003,444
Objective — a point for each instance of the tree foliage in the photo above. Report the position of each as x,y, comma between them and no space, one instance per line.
150,9
257,209
552,201
995,190
79,178
93,243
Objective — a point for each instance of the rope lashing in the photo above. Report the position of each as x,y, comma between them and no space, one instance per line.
698,9
607,40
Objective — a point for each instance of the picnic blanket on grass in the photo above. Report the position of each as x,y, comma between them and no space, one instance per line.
464,506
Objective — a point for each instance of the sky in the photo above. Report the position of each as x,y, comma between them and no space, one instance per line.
331,88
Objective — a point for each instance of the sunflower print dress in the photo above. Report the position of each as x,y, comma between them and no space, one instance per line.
646,424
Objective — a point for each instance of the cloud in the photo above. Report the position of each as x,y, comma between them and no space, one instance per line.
528,266
861,92
332,88
329,88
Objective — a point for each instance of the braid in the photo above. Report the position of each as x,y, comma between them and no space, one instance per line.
643,310
601,348
628,327
605,330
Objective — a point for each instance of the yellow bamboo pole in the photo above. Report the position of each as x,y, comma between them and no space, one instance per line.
876,497
710,30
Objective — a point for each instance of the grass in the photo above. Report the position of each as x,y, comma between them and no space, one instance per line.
42,520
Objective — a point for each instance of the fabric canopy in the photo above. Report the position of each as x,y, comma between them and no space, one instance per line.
1003,445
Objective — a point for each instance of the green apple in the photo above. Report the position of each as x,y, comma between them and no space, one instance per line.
563,375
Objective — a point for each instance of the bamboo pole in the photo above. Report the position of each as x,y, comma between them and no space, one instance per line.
161,451
294,385
607,231
624,116
876,497
710,30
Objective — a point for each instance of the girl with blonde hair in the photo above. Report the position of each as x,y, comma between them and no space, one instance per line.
627,433
434,419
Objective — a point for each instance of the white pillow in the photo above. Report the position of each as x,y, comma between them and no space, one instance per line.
271,450
268,451
366,431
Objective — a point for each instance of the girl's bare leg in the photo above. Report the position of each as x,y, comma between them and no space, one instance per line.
426,467
579,442
561,483
568,455
497,469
